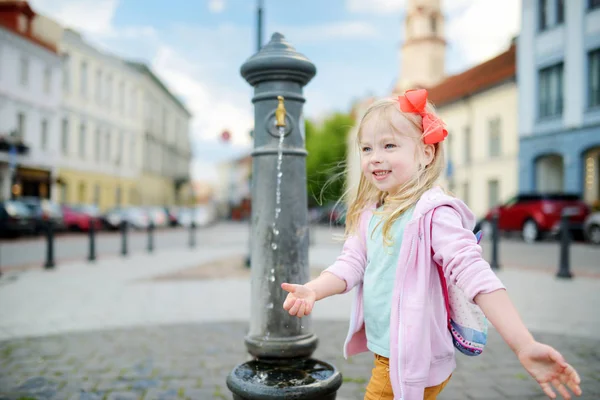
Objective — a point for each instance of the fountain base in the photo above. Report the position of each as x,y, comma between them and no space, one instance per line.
297,379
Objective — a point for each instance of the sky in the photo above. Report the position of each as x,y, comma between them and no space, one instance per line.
197,48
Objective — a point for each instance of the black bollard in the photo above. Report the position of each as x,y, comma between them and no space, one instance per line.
495,239
92,234
192,234
123,238
565,241
49,246
151,237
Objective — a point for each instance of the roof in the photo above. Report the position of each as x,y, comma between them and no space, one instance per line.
481,77
145,69
10,10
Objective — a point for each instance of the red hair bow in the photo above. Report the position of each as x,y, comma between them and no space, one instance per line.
414,101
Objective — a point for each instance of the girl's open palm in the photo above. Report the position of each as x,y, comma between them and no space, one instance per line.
548,367
300,299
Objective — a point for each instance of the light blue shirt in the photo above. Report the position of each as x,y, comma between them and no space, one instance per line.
378,281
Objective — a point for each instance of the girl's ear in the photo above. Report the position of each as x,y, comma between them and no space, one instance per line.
428,153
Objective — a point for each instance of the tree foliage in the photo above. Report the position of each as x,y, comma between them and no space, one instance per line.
326,161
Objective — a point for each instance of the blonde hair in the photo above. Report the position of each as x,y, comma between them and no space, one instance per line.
395,204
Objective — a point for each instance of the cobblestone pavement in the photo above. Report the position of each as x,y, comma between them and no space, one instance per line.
192,361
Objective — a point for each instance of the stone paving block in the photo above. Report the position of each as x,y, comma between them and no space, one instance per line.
161,394
124,396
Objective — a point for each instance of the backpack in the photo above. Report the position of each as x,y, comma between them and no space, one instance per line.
466,322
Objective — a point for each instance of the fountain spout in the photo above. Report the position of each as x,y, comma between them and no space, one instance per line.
280,113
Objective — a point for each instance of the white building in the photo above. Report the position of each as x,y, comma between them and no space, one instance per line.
101,126
30,96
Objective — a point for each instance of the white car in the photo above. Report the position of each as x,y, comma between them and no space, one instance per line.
591,227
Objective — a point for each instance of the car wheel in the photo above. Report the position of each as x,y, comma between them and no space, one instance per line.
531,232
593,234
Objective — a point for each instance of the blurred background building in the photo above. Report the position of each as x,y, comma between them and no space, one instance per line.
559,97
479,107
81,126
30,99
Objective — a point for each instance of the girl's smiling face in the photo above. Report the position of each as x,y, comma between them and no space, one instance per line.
390,151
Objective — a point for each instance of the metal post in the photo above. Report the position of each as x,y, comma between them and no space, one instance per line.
92,235
495,239
565,241
124,238
49,246
259,26
193,234
281,344
151,236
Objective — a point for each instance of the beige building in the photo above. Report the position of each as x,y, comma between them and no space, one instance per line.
480,109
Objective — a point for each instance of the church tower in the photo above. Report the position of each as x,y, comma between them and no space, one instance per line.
423,52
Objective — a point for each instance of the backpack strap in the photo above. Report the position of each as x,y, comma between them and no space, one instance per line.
440,272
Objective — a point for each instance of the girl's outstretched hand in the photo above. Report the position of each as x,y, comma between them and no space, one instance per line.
549,368
300,299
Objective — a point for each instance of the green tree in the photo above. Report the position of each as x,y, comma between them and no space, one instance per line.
326,161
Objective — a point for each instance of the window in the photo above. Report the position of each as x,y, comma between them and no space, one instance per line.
64,191
64,145
66,69
493,193
96,194
121,98
47,80
594,78
120,143
133,103
560,11
44,135
24,79
97,144
433,24
132,152
593,4
98,87
543,14
495,138
109,82
466,193
551,91
107,146
21,126
118,196
82,140
467,139
84,79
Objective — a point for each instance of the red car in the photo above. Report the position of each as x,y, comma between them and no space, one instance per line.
79,217
537,214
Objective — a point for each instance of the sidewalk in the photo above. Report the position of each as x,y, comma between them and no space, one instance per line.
157,327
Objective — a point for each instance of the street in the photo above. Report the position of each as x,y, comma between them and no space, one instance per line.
171,325
31,252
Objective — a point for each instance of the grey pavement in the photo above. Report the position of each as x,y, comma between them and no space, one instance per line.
113,330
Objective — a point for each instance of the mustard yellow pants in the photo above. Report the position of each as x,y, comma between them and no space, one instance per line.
380,387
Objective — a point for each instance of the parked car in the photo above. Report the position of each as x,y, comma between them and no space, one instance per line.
136,218
79,217
15,219
44,212
591,228
537,214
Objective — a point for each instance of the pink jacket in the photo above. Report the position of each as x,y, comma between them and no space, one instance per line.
421,349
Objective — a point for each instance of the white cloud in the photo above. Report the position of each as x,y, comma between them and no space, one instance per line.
89,16
375,6
216,6
331,31
483,29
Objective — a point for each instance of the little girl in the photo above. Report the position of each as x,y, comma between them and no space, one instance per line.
398,226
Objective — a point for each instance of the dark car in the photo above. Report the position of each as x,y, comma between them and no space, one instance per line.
44,212
537,214
15,219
